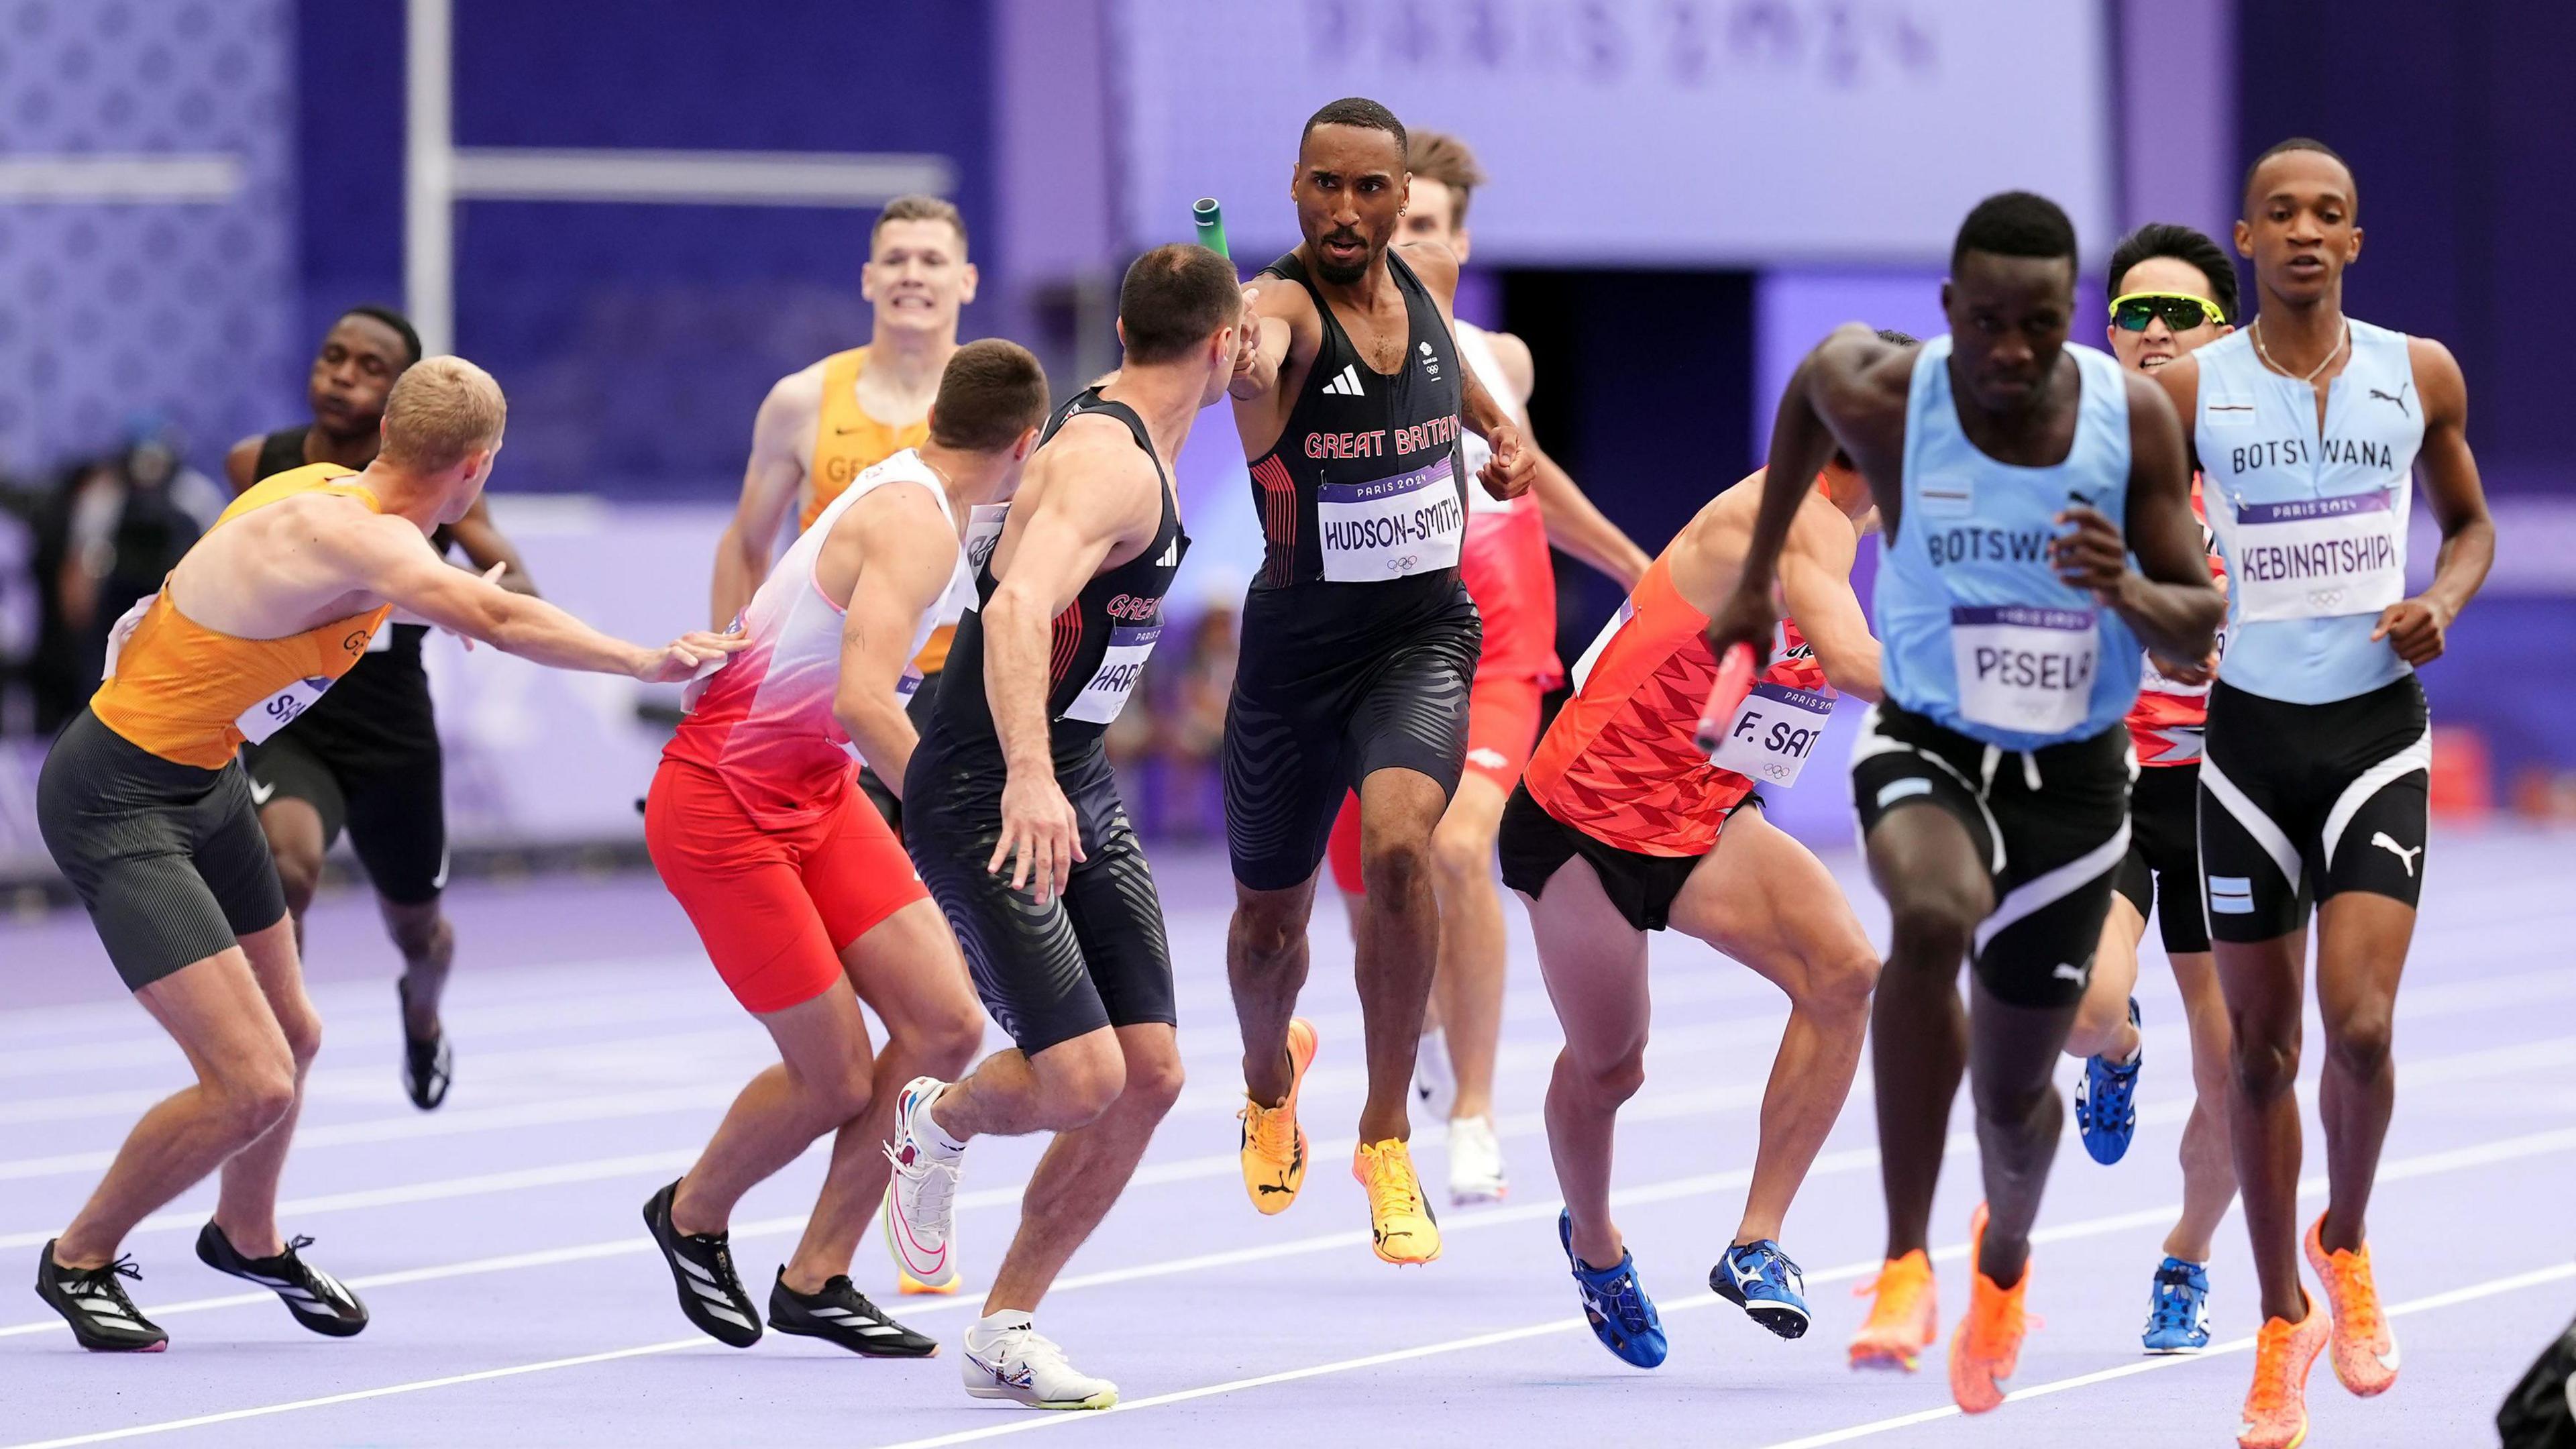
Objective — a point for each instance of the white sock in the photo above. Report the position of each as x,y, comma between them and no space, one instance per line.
927,1131
986,1327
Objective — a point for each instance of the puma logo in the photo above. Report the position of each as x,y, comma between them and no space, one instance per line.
2067,971
2380,839
1269,1187
2396,399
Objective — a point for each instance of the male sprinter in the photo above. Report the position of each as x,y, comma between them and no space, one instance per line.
1623,825
2308,426
822,426
150,819
1504,563
1016,824
366,755
1993,780
2172,291
799,887
1359,641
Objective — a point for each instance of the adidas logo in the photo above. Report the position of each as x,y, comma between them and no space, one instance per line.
1346,383
1171,555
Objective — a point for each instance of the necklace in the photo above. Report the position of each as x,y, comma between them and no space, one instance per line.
2266,353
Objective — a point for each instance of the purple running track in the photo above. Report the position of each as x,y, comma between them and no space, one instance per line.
517,1302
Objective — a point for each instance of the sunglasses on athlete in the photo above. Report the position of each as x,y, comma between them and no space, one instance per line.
2181,311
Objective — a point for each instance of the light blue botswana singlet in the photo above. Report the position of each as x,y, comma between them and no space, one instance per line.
1979,634
2312,522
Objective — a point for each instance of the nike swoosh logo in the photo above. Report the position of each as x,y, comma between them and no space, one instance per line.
259,793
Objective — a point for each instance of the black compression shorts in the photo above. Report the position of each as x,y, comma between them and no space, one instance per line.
1535,845
168,858
1095,956
2164,855
1335,682
2299,802
393,805
2050,825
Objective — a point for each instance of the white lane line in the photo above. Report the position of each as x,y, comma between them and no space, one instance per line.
657,1100
1678,1104
2485,1153
230,1416
2493,1287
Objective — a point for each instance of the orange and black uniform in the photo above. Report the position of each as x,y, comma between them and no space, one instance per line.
141,801
1620,779
848,441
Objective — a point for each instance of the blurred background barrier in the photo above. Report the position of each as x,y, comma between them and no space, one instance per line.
639,214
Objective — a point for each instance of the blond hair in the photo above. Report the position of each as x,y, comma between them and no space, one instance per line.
441,409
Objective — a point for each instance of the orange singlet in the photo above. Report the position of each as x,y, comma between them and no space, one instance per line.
191,695
1620,763
848,441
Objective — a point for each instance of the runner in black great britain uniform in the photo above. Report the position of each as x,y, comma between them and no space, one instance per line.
365,757
1013,818
1359,641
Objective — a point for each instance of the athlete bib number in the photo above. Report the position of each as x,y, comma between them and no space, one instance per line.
1773,732
1116,677
279,710
1388,528
2024,668
2316,558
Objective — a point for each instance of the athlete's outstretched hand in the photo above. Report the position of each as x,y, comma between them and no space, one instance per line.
1750,617
1247,337
2415,628
1512,468
1038,824
683,657
2090,555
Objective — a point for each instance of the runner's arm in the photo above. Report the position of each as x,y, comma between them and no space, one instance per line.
1802,440
389,558
2168,599
1097,487
769,484
900,555
487,547
2416,628
1815,579
2180,379
241,463
1576,526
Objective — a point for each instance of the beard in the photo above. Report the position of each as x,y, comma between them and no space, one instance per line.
1336,273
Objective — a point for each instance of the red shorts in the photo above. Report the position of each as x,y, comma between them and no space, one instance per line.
775,906
1502,729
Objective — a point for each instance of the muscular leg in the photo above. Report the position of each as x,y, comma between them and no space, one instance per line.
2102,1026
246,1083
2361,952
1398,810
420,930
1937,889
2262,982
2208,1174
246,1206
2012,1056
294,831
820,1082
1087,1167
1265,964
1761,898
1595,965
1467,987
906,967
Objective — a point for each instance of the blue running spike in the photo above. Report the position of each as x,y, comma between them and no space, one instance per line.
1760,1279
2106,1112
1622,1316
2178,1308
